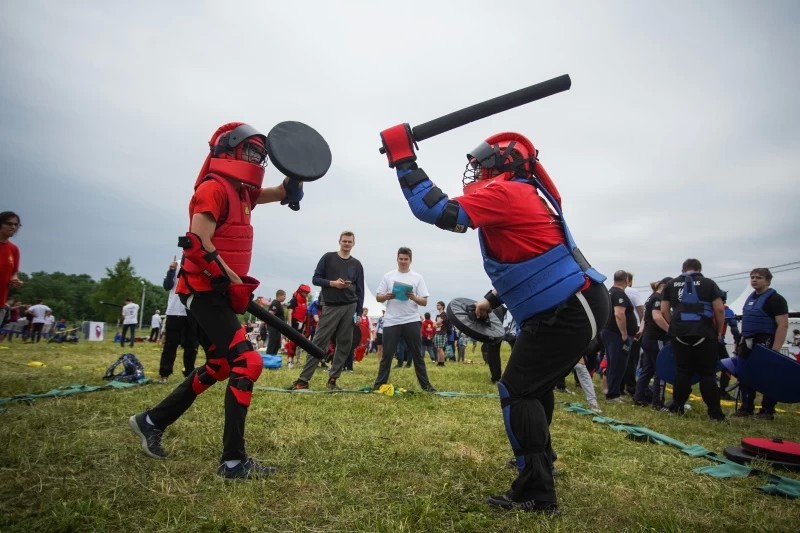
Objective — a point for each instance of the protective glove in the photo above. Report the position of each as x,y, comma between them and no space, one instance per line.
294,193
398,144
240,294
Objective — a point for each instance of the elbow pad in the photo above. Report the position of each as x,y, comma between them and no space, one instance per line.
429,204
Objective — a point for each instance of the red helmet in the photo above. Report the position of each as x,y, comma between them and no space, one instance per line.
237,151
503,155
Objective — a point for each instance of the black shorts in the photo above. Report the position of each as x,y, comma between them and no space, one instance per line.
379,339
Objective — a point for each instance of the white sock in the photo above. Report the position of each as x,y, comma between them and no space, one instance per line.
231,464
148,420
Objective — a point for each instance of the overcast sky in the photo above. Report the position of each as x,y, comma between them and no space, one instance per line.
679,138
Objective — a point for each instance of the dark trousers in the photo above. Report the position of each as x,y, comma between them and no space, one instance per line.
428,348
617,362
545,351
695,355
273,341
36,331
216,326
391,337
491,355
154,334
178,331
126,327
629,379
647,367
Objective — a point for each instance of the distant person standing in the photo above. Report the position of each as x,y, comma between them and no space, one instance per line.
9,258
39,314
692,306
180,329
155,325
275,309
341,277
765,321
401,320
618,335
130,315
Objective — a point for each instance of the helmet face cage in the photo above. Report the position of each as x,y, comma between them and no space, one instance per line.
489,161
253,152
244,143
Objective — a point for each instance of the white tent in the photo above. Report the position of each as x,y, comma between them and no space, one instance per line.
374,308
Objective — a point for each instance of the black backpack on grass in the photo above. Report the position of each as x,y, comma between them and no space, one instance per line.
132,369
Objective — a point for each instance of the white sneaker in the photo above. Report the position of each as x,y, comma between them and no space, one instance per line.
595,408
290,365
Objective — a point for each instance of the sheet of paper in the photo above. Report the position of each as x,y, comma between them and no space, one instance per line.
400,289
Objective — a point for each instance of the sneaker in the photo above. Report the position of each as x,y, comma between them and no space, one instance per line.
290,365
408,365
439,364
332,384
765,416
618,399
718,418
162,380
150,435
504,502
741,413
595,407
430,388
247,469
299,385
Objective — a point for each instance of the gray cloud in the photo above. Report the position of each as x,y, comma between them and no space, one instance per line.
679,138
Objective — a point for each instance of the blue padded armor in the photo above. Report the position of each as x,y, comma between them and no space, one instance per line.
429,203
542,282
754,319
505,404
692,309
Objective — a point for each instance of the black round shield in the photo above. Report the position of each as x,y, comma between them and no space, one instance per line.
298,151
461,312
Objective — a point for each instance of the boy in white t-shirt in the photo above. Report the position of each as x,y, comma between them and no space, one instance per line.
130,315
403,290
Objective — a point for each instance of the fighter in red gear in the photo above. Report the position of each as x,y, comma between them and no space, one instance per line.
298,306
214,287
536,270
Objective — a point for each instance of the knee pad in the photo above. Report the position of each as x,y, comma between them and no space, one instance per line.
245,369
215,369
505,405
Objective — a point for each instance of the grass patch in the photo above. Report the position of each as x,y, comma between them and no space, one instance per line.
349,462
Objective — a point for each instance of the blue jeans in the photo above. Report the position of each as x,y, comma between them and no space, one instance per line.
617,362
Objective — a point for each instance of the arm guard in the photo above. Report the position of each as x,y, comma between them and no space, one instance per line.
429,203
197,260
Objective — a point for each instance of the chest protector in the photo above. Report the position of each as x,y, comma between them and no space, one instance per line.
542,282
754,319
233,238
300,309
691,308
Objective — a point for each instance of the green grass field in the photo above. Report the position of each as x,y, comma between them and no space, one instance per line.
350,462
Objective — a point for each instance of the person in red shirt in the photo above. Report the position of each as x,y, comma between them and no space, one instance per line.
536,269
428,330
9,258
214,287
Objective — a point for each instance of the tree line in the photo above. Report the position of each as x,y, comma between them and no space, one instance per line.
77,297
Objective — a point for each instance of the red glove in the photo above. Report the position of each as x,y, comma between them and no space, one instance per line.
240,294
399,145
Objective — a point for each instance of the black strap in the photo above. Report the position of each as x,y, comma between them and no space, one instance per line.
433,196
449,217
413,178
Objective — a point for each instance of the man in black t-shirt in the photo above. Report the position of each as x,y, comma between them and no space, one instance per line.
654,338
273,335
692,306
618,335
765,321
